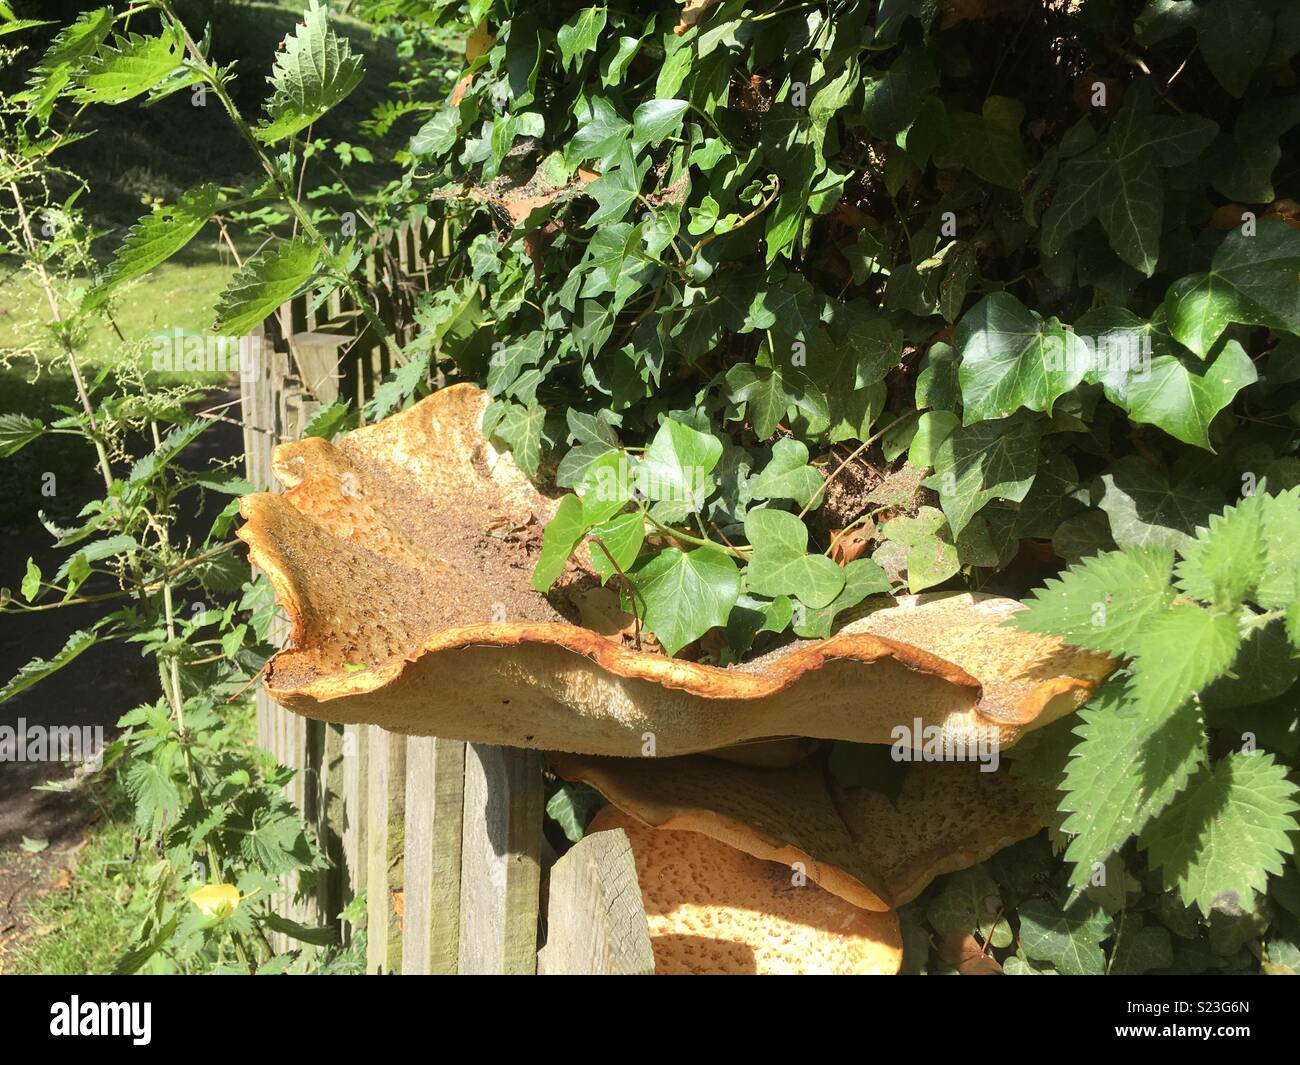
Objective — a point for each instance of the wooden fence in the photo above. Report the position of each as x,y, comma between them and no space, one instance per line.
444,838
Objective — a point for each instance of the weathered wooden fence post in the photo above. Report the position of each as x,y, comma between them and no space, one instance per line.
501,860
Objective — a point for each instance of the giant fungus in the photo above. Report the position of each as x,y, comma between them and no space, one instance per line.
715,910
401,555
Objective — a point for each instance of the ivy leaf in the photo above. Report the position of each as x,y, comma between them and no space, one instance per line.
788,475
780,563
686,593
314,73
130,66
931,554
1140,948
1070,940
580,34
1011,358
752,615
1223,837
971,903
977,463
1129,764
764,392
1251,280
264,282
654,120
521,429
601,132
1103,603
153,240
1147,509
561,535
676,467
622,537
1116,180
862,577
1182,398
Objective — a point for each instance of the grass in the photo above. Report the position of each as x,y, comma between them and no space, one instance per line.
85,927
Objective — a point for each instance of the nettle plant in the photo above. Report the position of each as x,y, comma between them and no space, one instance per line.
806,303
210,812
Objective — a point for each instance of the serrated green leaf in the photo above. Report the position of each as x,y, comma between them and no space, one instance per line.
1104,602
40,668
315,71
64,58
31,585
266,280
1129,764
17,431
1179,652
1226,560
132,65
1227,833
153,240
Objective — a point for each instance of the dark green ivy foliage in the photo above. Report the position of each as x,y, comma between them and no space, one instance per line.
1042,263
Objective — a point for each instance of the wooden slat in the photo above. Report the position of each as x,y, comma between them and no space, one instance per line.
500,860
595,920
384,845
356,757
435,795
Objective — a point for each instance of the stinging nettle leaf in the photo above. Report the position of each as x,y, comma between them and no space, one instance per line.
1229,831
132,65
153,240
314,73
264,282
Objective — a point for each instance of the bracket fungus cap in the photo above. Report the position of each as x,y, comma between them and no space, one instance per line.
875,853
715,910
406,611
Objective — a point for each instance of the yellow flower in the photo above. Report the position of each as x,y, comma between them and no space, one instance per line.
216,900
